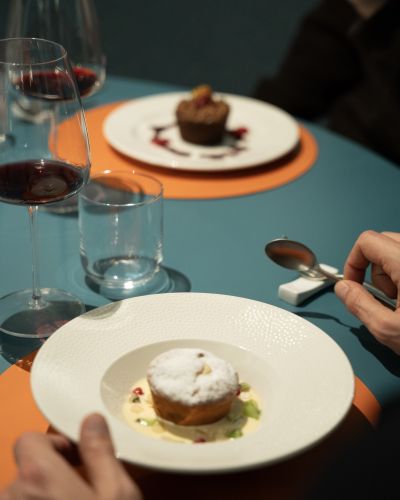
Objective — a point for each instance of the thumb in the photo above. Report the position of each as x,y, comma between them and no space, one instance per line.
362,304
97,453
380,320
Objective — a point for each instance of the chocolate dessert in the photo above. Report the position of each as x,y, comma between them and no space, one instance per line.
202,119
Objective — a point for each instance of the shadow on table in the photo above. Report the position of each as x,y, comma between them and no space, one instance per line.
316,315
386,356
383,354
21,351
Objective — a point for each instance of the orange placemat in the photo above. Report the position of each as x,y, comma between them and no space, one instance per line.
189,185
18,412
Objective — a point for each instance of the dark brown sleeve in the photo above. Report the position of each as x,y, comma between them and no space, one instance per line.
320,64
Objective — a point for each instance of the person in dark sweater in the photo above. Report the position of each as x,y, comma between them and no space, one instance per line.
343,69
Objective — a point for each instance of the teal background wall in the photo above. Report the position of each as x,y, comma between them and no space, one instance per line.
226,43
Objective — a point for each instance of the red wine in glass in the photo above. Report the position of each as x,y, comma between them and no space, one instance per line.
34,182
74,25
45,161
88,81
55,85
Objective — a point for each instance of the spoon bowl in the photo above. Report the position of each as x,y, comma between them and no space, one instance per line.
298,257
291,254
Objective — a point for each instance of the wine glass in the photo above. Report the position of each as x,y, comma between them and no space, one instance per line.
74,25
41,162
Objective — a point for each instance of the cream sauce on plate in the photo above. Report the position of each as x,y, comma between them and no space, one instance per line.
242,419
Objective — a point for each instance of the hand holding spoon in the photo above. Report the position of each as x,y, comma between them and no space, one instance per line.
297,256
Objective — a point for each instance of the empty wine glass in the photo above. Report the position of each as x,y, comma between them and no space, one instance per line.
45,161
71,23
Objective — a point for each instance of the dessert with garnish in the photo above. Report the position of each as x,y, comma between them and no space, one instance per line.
191,386
201,400
202,118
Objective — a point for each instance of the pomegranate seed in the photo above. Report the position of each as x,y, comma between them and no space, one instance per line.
238,133
199,440
238,391
202,101
159,141
138,391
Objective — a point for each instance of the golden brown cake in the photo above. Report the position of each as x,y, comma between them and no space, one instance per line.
191,386
202,119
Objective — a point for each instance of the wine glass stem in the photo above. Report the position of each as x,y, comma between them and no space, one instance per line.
36,301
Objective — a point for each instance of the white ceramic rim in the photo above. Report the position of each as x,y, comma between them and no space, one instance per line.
273,133
308,379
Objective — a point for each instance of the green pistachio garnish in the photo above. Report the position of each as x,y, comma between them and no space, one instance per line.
251,409
244,387
147,422
234,417
234,434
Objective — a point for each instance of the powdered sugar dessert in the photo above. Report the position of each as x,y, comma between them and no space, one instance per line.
191,386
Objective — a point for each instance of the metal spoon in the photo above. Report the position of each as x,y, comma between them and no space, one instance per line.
297,256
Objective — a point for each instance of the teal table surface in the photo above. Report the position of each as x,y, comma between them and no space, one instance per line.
217,245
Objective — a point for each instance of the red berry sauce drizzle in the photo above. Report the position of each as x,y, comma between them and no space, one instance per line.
165,143
233,149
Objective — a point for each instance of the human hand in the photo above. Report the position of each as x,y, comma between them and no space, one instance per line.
382,252
367,8
44,473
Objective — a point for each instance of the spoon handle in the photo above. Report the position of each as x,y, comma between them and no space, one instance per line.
380,295
371,288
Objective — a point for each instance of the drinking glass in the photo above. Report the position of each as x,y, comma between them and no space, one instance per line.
121,234
71,23
41,162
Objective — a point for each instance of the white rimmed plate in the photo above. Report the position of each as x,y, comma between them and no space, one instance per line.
304,379
271,133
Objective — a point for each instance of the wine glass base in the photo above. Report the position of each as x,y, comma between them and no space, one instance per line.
20,316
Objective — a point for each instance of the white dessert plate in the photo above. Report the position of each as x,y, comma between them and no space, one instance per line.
271,133
302,376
